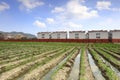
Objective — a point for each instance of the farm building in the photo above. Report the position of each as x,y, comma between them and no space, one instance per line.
1,36
114,34
44,35
98,34
77,35
59,35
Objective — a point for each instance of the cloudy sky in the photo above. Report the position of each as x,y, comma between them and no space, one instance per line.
32,16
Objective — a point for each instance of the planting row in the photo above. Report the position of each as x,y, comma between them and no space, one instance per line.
106,70
59,61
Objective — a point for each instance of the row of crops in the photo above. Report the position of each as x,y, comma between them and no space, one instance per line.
59,61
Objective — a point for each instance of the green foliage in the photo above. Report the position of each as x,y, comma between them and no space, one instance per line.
15,51
82,65
107,72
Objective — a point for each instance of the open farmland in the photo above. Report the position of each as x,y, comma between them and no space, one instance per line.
59,61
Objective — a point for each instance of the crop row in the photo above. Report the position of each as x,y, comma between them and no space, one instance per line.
109,58
57,61
11,65
29,66
64,69
107,72
111,53
85,70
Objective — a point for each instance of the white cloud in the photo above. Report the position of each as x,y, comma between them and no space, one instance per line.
68,26
115,9
57,10
69,16
81,1
106,5
106,24
4,6
50,20
30,4
73,25
109,20
39,24
103,5
75,10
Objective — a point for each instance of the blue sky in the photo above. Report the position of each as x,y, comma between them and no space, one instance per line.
32,16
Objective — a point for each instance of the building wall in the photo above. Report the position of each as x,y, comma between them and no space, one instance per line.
115,35
1,36
81,35
90,35
59,35
46,35
103,35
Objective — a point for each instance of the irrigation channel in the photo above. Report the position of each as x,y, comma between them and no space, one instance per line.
49,74
74,75
96,72
111,66
46,68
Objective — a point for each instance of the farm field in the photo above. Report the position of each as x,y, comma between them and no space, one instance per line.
59,61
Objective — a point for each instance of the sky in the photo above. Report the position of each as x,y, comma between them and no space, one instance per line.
33,16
